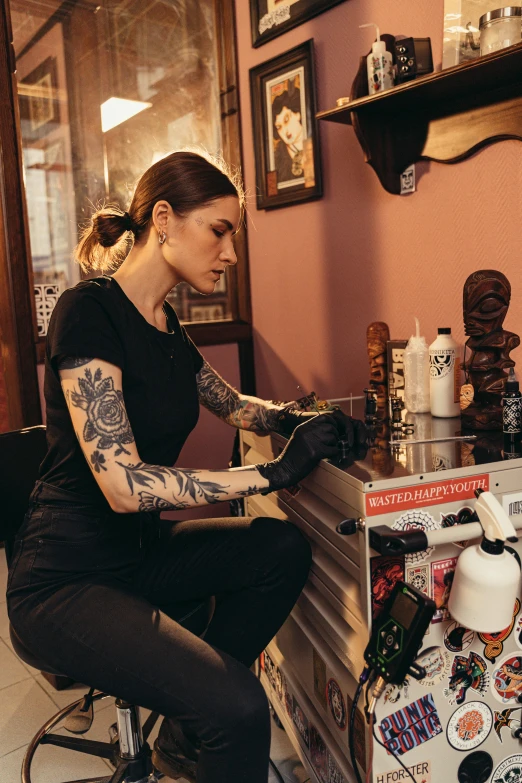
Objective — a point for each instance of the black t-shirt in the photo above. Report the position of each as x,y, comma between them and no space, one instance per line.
96,319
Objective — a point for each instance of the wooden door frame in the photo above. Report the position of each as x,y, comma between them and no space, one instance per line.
18,334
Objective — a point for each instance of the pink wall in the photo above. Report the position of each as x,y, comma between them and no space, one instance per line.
322,271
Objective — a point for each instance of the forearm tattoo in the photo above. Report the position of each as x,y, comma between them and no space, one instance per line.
72,362
190,485
223,400
106,416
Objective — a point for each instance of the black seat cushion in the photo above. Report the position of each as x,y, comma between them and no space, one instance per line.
21,453
27,656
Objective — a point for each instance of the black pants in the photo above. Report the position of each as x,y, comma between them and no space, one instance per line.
96,595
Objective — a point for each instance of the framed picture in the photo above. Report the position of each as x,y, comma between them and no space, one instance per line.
39,106
270,18
213,312
286,132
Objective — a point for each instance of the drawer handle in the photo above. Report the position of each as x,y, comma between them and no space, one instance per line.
348,527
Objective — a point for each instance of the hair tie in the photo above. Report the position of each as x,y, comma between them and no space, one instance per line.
129,222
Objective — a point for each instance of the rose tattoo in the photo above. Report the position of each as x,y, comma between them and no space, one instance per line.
105,408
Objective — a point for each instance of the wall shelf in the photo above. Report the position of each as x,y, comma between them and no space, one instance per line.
444,117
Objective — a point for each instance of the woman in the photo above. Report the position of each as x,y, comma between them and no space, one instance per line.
98,578
286,119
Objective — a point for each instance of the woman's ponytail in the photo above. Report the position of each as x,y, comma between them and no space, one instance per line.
104,243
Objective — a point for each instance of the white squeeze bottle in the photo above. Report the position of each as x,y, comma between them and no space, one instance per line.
379,65
417,373
444,376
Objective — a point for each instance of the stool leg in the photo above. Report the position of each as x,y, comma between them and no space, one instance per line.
129,729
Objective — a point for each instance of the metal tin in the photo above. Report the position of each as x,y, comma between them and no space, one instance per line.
500,13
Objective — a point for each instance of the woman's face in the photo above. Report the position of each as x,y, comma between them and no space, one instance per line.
200,247
288,125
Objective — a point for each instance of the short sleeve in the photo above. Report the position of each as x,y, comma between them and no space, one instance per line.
84,324
197,358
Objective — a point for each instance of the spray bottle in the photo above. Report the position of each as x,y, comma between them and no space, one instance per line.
379,65
417,373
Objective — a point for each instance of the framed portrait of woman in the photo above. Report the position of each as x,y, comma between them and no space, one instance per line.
286,132
270,18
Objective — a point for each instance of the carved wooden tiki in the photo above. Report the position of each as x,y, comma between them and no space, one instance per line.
486,300
377,335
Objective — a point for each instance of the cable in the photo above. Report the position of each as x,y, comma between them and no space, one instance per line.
351,728
374,735
370,753
276,771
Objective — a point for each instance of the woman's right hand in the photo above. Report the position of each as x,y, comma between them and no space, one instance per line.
316,439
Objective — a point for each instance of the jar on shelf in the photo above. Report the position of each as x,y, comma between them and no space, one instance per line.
500,28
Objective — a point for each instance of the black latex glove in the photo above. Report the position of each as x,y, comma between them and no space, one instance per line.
351,431
316,439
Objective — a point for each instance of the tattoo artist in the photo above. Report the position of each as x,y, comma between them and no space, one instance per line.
102,586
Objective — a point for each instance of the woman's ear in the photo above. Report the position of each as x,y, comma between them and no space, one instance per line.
160,215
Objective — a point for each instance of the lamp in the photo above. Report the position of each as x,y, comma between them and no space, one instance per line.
487,577
117,110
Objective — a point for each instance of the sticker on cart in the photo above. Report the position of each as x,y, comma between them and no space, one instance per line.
512,503
462,517
279,682
518,632
507,679
509,770
457,638
319,678
394,693
419,576
510,719
334,773
495,641
270,670
449,491
288,701
421,772
386,571
442,573
416,520
469,726
437,662
410,726
318,754
475,768
468,672
359,734
300,721
336,703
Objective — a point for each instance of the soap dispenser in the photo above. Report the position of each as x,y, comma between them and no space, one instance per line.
379,65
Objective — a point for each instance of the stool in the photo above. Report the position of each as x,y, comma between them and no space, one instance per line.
128,749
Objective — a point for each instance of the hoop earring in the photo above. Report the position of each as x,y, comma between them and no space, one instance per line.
162,237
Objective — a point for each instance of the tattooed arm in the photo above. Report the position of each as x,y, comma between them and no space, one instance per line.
239,410
93,391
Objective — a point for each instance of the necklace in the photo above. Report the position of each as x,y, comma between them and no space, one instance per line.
169,330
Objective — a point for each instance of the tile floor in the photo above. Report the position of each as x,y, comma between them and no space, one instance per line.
27,701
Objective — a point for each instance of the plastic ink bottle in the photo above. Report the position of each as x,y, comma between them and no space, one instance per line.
444,376
511,407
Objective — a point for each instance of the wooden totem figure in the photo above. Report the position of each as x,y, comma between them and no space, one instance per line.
377,335
486,362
